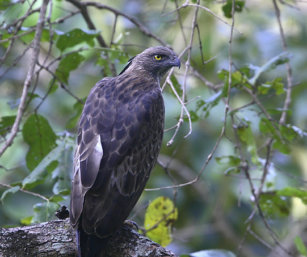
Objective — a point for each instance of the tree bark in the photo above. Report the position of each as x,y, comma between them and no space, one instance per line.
57,238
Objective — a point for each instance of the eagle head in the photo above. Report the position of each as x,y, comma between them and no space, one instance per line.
154,60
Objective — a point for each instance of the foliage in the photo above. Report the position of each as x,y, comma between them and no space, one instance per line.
232,169
159,218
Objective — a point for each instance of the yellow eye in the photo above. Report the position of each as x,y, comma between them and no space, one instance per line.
158,57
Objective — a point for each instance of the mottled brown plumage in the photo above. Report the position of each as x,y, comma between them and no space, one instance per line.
119,138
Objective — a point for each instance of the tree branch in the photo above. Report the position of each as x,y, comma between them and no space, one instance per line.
139,25
27,83
288,99
57,238
83,9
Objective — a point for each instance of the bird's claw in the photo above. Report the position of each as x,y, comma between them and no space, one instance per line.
131,224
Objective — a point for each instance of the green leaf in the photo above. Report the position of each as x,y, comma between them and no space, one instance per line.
4,35
193,115
293,192
61,187
278,111
28,38
68,64
56,198
159,217
44,211
223,74
238,78
208,104
274,205
282,137
264,88
104,61
176,85
288,132
232,162
53,86
40,137
227,8
75,37
213,253
300,246
276,84
72,122
11,190
271,64
229,160
281,146
60,175
116,54
39,173
266,127
199,104
6,123
11,13
4,4
32,96
232,170
26,221
246,135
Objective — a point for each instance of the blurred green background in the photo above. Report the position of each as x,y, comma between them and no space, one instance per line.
216,212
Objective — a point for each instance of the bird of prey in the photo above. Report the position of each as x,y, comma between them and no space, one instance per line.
119,139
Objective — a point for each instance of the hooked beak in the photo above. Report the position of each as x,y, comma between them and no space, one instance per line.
176,62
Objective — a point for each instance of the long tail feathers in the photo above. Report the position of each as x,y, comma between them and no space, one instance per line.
90,245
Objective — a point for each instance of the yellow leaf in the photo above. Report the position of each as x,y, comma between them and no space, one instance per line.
159,218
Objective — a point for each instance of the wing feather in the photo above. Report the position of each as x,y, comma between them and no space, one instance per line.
89,151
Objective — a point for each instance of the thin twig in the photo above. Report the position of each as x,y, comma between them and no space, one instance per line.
62,85
183,108
113,30
287,102
26,191
204,8
208,83
30,30
164,218
140,26
16,61
83,9
29,12
250,231
18,23
62,19
209,157
90,24
180,23
202,169
27,83
183,96
200,44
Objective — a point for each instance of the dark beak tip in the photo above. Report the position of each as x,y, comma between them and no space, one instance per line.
178,63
